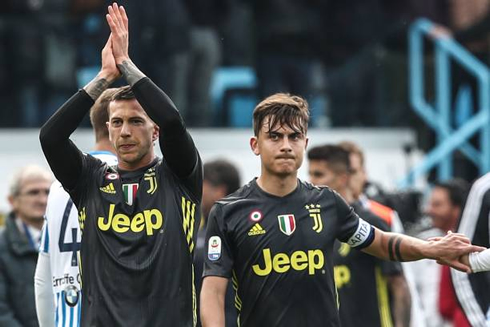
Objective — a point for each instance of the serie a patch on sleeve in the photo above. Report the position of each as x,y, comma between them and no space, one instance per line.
214,248
362,234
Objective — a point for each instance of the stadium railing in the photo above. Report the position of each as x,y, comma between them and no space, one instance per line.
438,116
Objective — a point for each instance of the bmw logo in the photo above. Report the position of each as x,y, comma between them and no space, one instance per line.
72,295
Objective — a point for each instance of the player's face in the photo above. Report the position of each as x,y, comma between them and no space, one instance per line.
281,149
443,213
132,134
357,178
30,204
321,174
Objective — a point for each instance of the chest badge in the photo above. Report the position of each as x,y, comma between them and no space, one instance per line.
314,210
287,224
130,191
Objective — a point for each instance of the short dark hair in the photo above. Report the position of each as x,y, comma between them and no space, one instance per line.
336,157
457,189
123,93
222,172
353,148
283,110
99,114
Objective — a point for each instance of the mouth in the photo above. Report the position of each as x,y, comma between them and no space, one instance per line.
286,158
126,147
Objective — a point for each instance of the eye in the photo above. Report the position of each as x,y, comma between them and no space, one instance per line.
274,136
116,122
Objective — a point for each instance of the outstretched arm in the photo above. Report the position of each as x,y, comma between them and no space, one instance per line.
175,142
478,261
64,158
447,250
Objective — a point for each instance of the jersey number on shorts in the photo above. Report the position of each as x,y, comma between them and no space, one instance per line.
74,246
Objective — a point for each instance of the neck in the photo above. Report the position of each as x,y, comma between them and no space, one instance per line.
347,195
278,185
104,145
36,223
135,166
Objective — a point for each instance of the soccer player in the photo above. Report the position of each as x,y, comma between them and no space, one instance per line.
137,219
57,278
472,290
357,184
381,284
275,235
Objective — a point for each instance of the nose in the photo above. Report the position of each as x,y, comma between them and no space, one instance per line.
286,145
125,130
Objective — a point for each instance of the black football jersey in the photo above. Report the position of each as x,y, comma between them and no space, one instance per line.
361,281
139,231
278,252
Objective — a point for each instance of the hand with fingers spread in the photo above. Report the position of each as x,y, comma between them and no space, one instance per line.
118,23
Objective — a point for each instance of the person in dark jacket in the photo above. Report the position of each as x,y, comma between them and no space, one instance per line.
18,246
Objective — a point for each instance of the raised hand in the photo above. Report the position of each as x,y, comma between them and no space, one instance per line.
109,67
118,23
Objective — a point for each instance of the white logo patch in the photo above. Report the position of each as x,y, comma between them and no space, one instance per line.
214,248
361,235
255,216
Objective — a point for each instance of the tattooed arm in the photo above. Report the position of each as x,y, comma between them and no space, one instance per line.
397,247
64,158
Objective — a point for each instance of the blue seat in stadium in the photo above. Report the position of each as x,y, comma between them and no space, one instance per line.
233,94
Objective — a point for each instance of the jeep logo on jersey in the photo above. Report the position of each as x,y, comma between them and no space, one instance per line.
312,260
287,224
72,295
148,220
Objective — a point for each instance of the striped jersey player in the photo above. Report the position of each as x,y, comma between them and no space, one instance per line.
60,247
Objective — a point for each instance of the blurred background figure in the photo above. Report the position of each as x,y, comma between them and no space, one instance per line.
221,178
19,243
380,284
357,183
472,291
433,281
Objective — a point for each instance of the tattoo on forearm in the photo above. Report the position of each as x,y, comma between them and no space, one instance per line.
397,250
394,252
130,72
95,88
390,248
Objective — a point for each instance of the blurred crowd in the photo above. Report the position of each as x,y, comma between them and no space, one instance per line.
348,58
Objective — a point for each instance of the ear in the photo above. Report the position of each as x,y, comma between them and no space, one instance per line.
306,143
156,133
254,145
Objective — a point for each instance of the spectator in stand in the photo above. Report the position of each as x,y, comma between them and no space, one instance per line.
19,243
444,208
206,16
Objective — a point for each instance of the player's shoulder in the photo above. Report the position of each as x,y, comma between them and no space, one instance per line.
239,195
371,217
106,157
382,211
309,188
